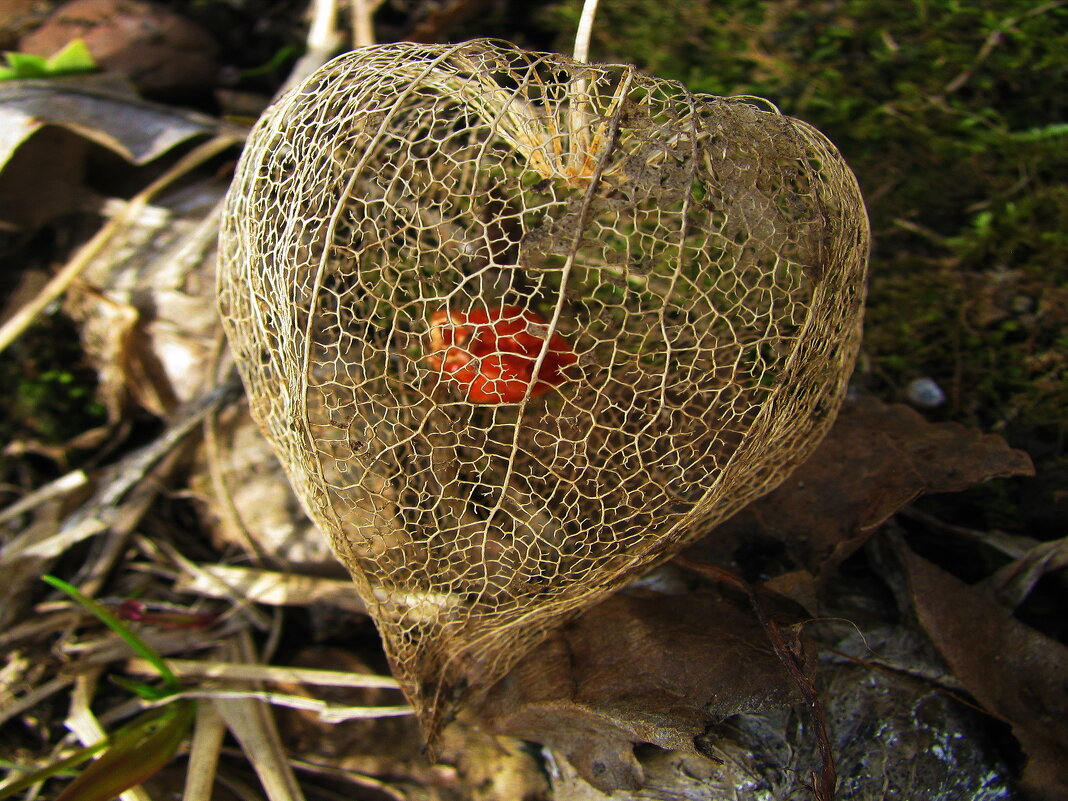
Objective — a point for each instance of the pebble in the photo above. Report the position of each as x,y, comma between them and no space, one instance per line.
925,393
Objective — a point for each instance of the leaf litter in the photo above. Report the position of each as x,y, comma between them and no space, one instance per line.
669,689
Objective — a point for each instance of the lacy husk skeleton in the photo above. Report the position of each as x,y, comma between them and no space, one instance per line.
519,328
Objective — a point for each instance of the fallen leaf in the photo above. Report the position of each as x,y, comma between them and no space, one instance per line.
45,180
107,329
1015,672
654,669
876,459
135,129
145,306
45,131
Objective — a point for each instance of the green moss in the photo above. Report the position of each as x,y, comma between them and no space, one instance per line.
49,395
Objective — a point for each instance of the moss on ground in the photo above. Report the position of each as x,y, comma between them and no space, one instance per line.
49,395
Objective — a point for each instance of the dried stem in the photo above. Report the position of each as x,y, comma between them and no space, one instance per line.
579,117
585,28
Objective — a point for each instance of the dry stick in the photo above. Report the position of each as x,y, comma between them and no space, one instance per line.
328,713
126,217
204,754
62,486
253,724
246,671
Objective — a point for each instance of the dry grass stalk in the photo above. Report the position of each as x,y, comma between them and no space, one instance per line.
191,668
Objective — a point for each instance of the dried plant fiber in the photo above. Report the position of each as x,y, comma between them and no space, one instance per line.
520,328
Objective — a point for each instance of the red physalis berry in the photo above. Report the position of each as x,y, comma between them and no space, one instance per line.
491,353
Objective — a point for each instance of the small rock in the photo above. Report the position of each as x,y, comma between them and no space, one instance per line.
925,393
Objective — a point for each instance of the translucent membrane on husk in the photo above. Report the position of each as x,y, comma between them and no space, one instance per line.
520,328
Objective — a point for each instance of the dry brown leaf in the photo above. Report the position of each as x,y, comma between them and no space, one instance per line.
655,669
876,459
144,307
160,273
45,180
1017,673
107,328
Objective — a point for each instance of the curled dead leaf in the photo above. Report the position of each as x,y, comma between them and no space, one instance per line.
95,109
248,500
